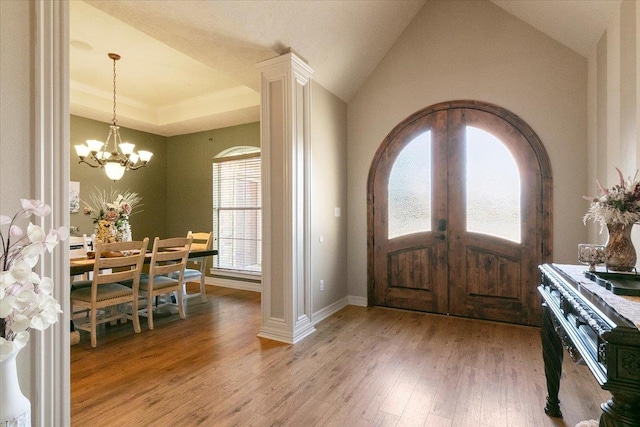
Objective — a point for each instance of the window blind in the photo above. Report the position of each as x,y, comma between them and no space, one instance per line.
237,212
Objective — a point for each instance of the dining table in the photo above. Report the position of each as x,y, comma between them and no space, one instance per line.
78,266
83,265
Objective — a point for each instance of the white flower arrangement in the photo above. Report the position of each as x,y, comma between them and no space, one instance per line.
25,298
619,204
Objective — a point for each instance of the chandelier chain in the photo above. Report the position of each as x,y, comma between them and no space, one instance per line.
114,156
114,91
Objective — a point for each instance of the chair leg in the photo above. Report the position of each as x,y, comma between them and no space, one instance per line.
111,311
150,310
134,314
94,340
121,309
203,293
180,305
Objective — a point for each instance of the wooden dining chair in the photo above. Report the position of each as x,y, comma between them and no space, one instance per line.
196,267
107,296
168,260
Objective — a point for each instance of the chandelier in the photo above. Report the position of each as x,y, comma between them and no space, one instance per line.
114,156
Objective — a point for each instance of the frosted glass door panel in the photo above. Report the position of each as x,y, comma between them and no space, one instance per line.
493,187
409,191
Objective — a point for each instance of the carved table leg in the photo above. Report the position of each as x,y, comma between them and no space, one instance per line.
552,354
621,411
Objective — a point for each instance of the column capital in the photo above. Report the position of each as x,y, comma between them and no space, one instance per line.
286,61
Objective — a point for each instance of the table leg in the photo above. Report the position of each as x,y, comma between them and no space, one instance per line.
552,354
621,410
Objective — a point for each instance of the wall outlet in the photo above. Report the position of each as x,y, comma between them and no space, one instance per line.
322,284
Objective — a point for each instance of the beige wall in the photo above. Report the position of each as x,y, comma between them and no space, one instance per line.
189,174
16,104
475,50
16,125
328,191
614,105
149,220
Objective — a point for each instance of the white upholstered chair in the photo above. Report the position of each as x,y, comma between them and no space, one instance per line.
78,246
106,296
168,260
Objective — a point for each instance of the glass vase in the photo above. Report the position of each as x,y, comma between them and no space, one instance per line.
591,255
620,255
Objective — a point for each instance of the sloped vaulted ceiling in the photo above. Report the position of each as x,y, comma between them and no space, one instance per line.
189,66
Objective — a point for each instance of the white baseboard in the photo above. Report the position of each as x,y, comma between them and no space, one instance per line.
232,274
337,306
234,284
257,287
359,301
329,310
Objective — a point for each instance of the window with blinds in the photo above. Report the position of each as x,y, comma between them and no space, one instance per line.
237,210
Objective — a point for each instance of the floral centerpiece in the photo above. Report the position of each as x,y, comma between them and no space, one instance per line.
617,208
619,204
110,213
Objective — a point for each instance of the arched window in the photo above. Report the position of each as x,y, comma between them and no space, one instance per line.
237,209
492,187
410,188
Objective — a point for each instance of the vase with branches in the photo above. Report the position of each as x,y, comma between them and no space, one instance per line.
618,209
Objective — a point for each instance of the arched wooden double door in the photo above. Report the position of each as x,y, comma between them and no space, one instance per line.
459,214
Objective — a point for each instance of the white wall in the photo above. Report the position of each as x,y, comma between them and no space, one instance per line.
475,50
614,105
16,123
328,176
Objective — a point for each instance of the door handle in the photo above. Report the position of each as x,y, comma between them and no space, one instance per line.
441,237
442,225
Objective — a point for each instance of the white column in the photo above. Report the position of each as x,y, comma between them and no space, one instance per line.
285,146
50,403
628,82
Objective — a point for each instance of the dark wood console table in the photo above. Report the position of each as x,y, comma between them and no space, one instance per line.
575,318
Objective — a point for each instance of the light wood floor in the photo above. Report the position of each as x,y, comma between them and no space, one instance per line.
362,367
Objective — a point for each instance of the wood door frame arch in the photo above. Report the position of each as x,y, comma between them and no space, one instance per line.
532,138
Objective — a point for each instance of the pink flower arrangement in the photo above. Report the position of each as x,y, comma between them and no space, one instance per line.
619,204
114,206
